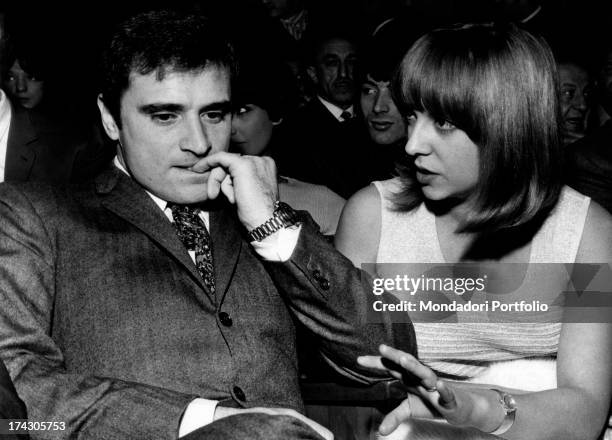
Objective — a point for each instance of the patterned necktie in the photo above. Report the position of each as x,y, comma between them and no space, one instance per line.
191,230
346,116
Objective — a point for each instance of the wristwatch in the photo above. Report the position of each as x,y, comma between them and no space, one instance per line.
509,406
284,215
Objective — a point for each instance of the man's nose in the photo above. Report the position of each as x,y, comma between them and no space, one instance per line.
196,139
579,102
345,70
381,103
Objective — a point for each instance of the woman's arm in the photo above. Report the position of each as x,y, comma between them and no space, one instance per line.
358,232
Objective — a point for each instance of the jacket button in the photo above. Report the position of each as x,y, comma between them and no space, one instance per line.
225,319
316,274
239,394
324,284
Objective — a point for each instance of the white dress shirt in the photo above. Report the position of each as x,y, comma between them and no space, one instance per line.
335,110
277,247
5,123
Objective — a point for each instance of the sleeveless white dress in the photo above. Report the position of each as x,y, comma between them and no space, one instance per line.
513,355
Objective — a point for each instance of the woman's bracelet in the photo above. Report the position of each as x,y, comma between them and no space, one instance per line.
508,404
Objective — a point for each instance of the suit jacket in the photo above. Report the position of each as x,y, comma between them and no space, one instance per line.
11,407
588,165
313,146
106,324
42,149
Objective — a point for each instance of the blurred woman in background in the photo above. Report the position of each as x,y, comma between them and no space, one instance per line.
260,106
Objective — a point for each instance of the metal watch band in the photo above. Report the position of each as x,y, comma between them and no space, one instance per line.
283,216
509,406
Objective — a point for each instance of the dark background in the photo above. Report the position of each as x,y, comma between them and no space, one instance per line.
73,34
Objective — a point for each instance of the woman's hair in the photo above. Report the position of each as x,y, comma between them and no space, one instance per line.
32,56
498,84
263,80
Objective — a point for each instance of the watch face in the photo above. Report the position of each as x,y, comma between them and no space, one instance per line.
509,403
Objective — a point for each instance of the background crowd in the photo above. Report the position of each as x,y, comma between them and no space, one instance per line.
314,90
320,70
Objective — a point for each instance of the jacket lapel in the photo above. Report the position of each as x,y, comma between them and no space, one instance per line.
124,197
227,242
21,146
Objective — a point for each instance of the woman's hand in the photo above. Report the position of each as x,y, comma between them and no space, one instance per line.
458,405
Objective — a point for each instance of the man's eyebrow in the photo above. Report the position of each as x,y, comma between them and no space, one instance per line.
156,108
175,108
224,106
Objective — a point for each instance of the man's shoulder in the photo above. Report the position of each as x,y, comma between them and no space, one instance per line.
314,110
47,126
41,196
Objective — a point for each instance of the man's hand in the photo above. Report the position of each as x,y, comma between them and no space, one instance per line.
222,412
248,181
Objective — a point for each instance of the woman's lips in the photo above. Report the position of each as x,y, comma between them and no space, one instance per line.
424,176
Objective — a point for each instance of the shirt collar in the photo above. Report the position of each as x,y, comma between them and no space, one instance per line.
5,109
335,110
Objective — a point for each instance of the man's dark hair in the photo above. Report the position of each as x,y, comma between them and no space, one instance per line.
385,49
161,42
316,39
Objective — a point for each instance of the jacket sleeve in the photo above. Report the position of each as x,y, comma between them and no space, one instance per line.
328,295
90,407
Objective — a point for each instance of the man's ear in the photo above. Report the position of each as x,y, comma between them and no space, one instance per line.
108,121
312,74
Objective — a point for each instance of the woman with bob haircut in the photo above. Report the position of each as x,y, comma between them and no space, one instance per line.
483,185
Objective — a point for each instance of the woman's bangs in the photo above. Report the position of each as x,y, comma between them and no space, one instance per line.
438,83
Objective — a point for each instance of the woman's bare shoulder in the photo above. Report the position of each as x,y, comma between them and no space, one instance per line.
358,232
596,242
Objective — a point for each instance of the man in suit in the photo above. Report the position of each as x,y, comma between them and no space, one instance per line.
36,147
322,142
143,305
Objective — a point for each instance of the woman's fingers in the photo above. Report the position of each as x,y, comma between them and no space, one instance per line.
376,363
395,417
447,398
408,362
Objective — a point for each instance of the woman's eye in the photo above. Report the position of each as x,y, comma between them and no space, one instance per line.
242,110
445,125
